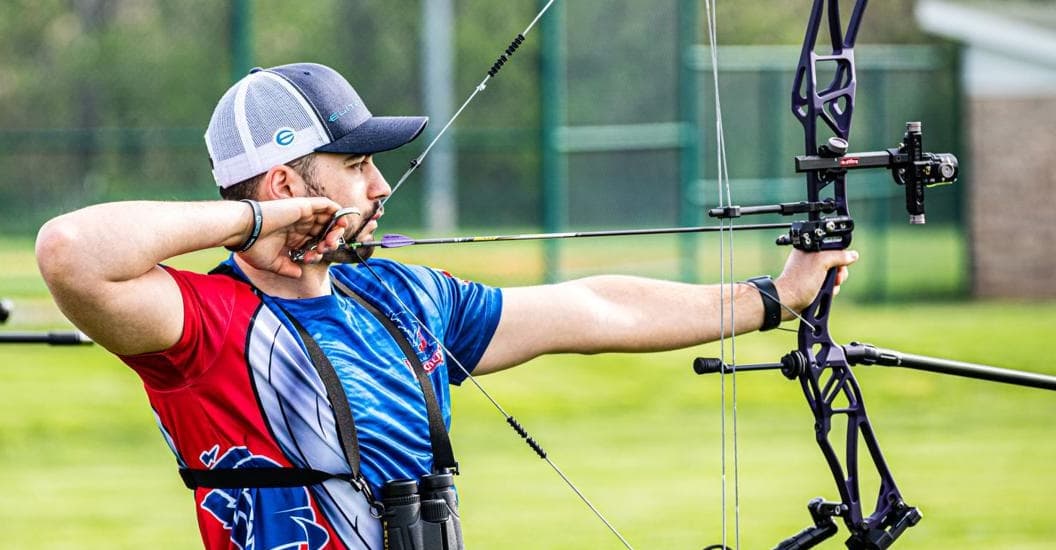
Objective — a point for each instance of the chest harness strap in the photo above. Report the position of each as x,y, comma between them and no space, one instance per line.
244,478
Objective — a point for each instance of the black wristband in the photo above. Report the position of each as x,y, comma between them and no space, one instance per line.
771,301
258,222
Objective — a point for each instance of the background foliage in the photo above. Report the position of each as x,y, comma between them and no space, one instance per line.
108,99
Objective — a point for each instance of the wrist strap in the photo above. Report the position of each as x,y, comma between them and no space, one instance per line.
258,222
771,302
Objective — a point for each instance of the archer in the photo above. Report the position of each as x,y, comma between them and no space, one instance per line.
283,386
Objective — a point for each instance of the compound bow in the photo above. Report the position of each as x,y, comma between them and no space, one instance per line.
823,367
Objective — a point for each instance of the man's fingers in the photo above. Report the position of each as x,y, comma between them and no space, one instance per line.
842,274
336,233
843,258
327,230
323,205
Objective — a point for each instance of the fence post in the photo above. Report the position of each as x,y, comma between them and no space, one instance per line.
240,34
440,207
689,148
554,170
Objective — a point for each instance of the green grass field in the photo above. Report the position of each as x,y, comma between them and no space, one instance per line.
83,466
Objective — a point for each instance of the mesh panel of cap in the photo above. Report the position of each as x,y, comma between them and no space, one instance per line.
262,112
269,107
223,134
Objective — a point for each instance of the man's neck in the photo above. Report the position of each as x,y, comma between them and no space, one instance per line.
313,282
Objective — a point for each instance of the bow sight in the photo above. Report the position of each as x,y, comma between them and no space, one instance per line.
911,167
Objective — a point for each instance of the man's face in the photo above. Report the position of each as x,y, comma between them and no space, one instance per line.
350,180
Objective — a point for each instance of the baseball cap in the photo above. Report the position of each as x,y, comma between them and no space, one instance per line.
275,115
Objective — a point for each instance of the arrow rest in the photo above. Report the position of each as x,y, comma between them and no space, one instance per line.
814,235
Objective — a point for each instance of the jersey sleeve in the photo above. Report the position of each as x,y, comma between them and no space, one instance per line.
208,307
473,311
463,314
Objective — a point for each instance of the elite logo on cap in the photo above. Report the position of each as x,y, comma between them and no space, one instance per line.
338,114
284,136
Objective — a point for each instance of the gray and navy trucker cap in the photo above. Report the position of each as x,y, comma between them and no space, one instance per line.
275,115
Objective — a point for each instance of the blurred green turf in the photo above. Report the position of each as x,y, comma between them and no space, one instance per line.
83,466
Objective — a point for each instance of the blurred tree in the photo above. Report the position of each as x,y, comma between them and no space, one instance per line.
782,22
104,99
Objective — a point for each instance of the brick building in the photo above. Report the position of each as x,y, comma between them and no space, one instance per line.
1009,76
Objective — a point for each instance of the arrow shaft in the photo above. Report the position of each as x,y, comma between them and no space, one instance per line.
569,235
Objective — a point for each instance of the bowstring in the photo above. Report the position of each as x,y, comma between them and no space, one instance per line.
414,164
726,261
479,88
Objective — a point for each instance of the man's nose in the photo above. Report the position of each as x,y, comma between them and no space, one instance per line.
379,187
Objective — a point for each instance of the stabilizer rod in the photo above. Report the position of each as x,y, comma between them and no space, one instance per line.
867,354
53,338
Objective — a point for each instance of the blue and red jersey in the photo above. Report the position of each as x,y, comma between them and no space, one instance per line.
238,390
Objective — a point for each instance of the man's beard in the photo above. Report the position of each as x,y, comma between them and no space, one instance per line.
344,254
347,255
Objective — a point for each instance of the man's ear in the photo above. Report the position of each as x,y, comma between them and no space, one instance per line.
281,182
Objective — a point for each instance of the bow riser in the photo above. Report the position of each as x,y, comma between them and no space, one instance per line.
834,105
830,387
819,363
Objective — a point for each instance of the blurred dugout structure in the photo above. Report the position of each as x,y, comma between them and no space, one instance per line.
602,120
1010,100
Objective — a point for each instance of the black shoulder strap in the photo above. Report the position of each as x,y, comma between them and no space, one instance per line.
335,393
241,478
224,269
443,455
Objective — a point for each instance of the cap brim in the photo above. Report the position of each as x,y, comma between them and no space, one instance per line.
377,134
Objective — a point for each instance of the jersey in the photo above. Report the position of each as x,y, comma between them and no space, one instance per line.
238,390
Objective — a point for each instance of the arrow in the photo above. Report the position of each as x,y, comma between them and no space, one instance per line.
395,240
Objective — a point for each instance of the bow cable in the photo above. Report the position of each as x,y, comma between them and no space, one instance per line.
509,418
725,252
494,70
417,161
297,255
